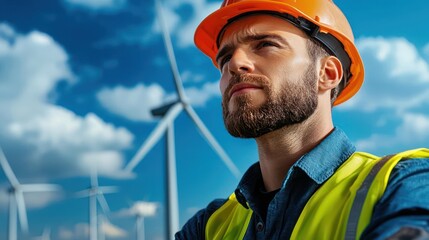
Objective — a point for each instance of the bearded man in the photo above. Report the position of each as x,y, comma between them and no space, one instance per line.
284,65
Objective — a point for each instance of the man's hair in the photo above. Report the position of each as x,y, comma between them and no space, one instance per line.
316,51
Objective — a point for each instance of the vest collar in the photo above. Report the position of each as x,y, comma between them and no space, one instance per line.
319,164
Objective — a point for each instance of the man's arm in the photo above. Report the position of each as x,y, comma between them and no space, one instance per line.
194,228
403,211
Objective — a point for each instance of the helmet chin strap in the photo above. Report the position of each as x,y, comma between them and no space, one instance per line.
332,45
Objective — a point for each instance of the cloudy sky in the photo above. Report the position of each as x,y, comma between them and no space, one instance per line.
78,79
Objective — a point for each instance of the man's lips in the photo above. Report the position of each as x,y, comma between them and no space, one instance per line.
239,87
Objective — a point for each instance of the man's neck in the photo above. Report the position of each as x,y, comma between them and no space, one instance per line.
280,149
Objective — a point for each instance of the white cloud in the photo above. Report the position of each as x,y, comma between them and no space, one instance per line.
200,96
64,233
185,33
396,76
180,26
170,17
426,50
97,5
412,133
81,231
33,64
57,128
108,162
142,208
133,103
33,200
137,102
39,200
190,77
112,231
6,31
41,139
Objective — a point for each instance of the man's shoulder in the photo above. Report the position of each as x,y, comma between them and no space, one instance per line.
415,162
410,167
215,204
204,214
402,162
408,182
405,201
411,162
194,228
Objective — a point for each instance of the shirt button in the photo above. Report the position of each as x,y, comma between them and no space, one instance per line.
259,226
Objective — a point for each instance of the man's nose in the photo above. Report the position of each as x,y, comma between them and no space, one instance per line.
240,62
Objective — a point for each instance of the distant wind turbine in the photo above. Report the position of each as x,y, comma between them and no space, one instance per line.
16,198
95,193
141,210
169,112
46,235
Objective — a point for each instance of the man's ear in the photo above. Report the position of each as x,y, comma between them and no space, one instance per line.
331,73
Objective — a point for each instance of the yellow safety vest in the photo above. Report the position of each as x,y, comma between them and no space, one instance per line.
340,209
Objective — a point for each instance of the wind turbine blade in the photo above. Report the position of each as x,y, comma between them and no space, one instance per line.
83,193
212,141
103,203
22,211
7,169
170,51
108,189
155,135
39,187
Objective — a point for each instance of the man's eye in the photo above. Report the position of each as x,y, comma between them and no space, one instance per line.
266,44
224,60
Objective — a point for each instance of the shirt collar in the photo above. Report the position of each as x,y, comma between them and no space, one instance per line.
322,161
319,164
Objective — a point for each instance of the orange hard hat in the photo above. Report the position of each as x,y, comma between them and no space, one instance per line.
322,20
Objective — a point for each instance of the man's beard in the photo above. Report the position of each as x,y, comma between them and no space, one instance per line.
293,104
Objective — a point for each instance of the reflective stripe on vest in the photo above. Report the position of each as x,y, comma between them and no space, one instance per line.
327,213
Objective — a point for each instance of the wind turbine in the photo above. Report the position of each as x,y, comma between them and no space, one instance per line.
169,112
141,210
46,235
95,193
16,198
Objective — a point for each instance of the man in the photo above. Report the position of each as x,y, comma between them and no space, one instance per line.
284,64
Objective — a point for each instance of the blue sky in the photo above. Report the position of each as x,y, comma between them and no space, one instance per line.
78,79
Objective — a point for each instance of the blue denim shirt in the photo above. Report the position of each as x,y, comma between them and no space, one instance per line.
405,202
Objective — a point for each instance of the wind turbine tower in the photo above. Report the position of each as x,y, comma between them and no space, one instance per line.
168,114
